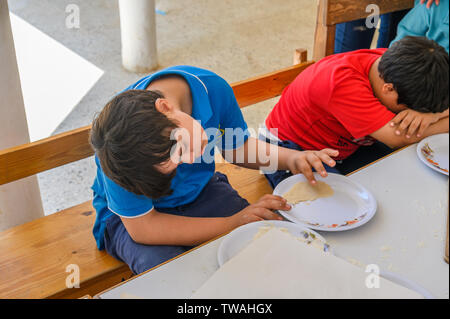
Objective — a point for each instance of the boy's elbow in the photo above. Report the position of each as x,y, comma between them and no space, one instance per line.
396,144
145,239
391,140
142,229
400,141
137,233
136,237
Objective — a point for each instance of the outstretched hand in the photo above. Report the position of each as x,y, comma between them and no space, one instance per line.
304,162
263,209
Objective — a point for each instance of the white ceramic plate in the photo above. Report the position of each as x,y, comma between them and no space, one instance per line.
405,282
433,151
239,238
351,205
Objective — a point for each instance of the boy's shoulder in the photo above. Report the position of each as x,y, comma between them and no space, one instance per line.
190,69
358,60
206,77
343,69
215,86
322,80
187,71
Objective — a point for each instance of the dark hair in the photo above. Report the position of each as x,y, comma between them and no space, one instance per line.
418,69
130,136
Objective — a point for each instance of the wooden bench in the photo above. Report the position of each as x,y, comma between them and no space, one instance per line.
34,256
332,12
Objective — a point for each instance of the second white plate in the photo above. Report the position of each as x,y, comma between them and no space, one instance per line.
351,205
433,151
240,237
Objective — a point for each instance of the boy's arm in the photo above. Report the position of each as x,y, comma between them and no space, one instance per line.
156,228
387,136
415,23
257,154
252,153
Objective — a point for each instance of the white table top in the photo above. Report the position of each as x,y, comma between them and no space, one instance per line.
406,236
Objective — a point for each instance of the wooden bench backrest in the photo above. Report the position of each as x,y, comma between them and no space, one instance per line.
32,158
332,12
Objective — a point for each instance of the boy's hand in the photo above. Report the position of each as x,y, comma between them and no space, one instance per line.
430,2
412,122
261,210
303,162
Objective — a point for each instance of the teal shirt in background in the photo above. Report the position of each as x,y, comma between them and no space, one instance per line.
431,23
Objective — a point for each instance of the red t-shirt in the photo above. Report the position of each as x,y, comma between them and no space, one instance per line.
331,105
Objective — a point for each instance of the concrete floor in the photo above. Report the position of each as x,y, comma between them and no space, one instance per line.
237,39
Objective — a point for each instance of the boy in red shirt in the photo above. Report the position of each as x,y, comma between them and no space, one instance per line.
351,99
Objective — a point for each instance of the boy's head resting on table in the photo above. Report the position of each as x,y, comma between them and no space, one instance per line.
413,73
345,101
133,139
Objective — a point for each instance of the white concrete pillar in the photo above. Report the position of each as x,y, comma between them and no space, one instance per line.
138,35
20,201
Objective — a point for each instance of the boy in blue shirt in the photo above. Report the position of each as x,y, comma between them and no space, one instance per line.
156,192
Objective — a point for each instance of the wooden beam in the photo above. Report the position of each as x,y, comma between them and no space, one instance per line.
339,11
324,34
300,56
265,87
323,41
32,158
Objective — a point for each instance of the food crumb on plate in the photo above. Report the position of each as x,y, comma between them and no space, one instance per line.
385,248
355,262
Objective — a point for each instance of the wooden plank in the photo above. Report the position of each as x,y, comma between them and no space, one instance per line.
34,256
323,35
265,87
323,41
32,158
338,11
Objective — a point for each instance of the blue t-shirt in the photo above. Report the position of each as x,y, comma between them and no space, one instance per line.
215,107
